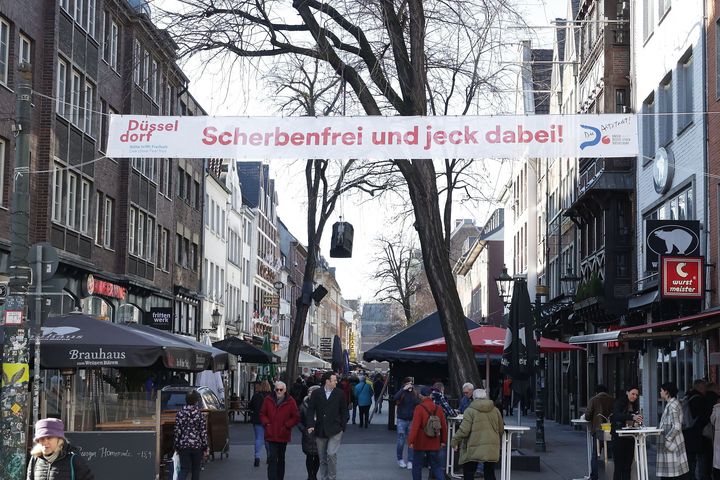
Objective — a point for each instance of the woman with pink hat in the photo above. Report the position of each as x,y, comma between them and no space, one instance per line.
53,457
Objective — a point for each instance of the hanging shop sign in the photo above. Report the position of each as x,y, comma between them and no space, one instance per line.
160,317
94,286
682,277
325,348
605,135
670,237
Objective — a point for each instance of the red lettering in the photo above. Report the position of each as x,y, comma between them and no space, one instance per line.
296,138
456,137
439,137
225,138
209,136
281,138
256,139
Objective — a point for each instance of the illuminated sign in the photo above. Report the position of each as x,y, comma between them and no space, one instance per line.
682,277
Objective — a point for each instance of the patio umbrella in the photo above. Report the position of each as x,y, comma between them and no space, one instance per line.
77,340
246,352
304,359
267,370
337,356
520,349
346,362
490,339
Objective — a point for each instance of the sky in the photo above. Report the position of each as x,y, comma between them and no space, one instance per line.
370,219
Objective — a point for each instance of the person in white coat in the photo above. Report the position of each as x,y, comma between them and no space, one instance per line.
671,456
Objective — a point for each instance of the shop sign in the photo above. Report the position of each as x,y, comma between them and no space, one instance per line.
95,286
160,317
271,301
682,277
670,237
325,347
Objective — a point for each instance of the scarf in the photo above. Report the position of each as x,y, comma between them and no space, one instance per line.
53,457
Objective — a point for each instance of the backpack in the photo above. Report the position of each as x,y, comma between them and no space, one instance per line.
688,420
433,426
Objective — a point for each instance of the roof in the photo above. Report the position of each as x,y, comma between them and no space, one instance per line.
249,174
424,330
541,71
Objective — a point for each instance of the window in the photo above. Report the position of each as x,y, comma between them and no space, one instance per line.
78,11
146,70
84,206
65,5
140,238
57,211
648,18
61,93
4,51
111,33
178,249
685,89
150,240
98,213
663,7
89,107
132,226
106,110
153,79
25,53
75,98
665,119
107,223
137,52
70,202
621,100
164,186
168,98
163,249
648,128
196,203
91,17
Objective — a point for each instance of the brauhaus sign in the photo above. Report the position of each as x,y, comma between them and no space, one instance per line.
611,135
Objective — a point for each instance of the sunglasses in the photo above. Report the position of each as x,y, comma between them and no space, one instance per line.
279,389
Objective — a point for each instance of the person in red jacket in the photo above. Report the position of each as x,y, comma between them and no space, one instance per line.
279,414
422,444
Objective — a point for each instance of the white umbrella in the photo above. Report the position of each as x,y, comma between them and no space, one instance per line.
210,379
305,359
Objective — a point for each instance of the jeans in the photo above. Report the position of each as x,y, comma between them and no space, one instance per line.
433,457
364,415
190,463
470,468
403,429
276,461
312,465
378,405
260,440
327,451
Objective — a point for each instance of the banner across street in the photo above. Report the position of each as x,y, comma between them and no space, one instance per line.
611,135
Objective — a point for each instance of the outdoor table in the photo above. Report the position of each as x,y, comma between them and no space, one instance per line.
452,423
507,449
640,434
588,427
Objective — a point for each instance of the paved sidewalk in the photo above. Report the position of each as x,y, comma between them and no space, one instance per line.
369,454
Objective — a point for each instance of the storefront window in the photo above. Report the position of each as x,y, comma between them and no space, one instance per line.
97,307
129,313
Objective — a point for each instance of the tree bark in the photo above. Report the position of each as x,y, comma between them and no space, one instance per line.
422,186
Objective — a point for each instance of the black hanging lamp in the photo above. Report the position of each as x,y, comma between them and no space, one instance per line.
341,241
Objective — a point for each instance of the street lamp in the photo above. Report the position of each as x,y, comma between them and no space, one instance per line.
215,319
505,285
571,280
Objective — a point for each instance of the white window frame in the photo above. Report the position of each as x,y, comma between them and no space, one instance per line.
114,44
70,198
89,108
146,70
97,218
84,206
78,12
90,21
107,223
57,210
25,49
150,242
686,88
61,95
137,53
140,251
153,79
75,87
4,52
131,231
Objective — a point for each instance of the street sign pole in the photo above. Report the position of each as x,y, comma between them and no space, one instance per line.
14,394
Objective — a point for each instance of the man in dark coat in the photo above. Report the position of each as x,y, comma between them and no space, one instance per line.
327,417
599,409
692,429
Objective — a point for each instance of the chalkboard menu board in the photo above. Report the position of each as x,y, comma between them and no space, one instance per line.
107,453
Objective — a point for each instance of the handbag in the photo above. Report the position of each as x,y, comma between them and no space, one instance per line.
708,431
176,465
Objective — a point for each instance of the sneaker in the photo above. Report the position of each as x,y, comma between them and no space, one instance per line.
409,465
257,462
402,463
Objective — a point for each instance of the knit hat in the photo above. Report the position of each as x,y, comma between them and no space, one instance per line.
49,427
425,391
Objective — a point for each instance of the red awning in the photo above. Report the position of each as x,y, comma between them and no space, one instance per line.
489,339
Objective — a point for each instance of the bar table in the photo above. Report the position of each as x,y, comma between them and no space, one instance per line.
589,438
505,459
640,435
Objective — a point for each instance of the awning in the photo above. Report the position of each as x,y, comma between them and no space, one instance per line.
688,326
642,300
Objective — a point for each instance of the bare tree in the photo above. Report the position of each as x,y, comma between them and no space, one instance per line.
388,52
398,269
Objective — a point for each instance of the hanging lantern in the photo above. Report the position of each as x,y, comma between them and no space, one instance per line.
341,242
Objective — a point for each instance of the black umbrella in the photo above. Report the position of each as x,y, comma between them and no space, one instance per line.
246,353
77,340
337,355
520,350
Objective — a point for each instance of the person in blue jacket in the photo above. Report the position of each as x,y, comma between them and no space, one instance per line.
363,397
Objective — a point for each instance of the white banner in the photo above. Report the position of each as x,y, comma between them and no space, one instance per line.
612,135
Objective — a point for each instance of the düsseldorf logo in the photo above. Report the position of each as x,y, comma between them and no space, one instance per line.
593,137
673,240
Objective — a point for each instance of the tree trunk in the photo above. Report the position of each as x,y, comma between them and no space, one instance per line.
301,313
422,186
